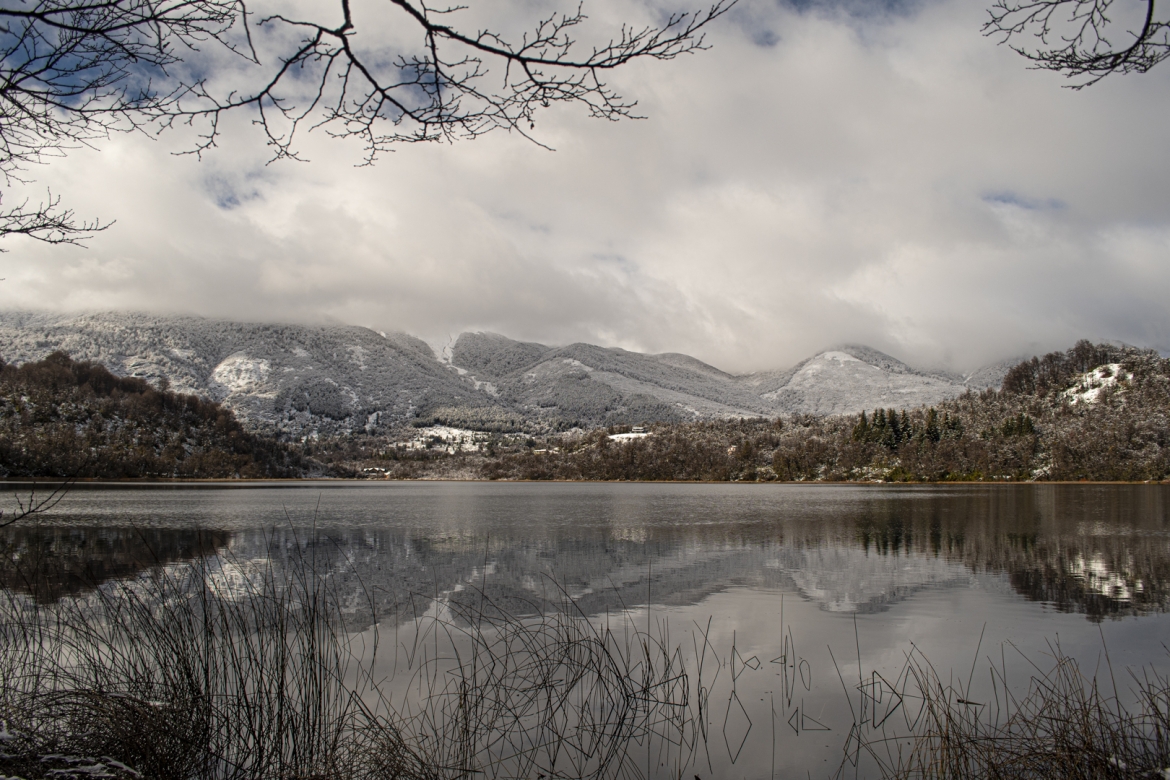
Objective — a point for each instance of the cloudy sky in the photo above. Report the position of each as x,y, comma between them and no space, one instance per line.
826,173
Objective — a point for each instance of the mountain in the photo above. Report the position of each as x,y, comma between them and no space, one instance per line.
303,380
851,378
582,383
292,378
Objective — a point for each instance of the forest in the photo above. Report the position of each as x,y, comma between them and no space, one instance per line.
73,419
1094,412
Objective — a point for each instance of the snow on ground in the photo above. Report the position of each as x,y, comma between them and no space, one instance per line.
241,374
840,357
637,433
443,437
1088,388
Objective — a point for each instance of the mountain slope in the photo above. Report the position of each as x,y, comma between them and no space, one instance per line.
851,378
292,378
586,384
302,380
64,418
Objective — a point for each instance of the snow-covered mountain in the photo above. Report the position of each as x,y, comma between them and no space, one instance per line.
301,379
850,378
585,383
291,378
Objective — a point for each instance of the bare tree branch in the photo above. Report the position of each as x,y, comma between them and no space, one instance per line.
47,222
73,71
1073,37
34,505
441,91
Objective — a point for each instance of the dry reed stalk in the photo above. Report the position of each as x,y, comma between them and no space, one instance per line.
187,673
1066,724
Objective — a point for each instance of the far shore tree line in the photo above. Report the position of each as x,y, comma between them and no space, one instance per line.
1040,426
1094,412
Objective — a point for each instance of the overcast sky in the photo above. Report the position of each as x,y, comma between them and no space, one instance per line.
821,175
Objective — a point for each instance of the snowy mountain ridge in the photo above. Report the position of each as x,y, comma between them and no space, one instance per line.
303,380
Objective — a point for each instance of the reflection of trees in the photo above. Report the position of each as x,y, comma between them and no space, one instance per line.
1103,551
1100,550
49,562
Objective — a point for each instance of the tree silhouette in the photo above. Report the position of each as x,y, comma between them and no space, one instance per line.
73,71
1077,37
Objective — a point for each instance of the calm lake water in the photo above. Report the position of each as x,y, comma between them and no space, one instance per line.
793,599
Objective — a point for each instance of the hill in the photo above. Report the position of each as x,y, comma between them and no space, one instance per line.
1094,412
302,381
61,418
290,379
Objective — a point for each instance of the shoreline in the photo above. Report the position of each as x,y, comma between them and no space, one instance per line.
246,482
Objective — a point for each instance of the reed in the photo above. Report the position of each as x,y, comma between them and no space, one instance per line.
225,669
214,669
186,673
1066,723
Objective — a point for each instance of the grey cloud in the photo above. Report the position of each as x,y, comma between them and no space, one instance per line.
901,182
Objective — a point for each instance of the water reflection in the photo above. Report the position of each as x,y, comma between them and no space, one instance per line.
1103,551
51,562
782,601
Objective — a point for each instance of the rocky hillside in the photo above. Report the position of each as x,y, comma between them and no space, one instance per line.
306,381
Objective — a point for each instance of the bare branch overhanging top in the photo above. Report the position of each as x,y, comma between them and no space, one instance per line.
456,85
72,71
1081,38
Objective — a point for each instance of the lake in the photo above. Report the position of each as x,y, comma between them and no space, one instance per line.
792,608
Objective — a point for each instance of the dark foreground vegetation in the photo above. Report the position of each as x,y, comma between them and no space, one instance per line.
1068,723
215,669
218,668
61,418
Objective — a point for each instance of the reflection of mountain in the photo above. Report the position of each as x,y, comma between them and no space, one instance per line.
1097,550
1101,551
851,579
50,562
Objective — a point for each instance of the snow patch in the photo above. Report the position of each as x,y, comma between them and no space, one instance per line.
239,373
487,387
445,439
1088,388
637,433
831,361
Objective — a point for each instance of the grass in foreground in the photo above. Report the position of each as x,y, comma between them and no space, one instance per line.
206,670
210,669
1067,724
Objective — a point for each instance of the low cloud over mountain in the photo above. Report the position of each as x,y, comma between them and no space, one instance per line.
301,380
